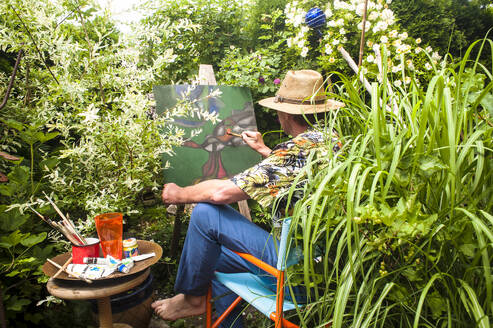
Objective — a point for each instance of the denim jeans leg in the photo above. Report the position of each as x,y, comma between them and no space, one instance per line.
212,226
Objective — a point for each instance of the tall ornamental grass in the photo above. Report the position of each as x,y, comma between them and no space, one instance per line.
402,215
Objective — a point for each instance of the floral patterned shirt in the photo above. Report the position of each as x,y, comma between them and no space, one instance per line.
274,176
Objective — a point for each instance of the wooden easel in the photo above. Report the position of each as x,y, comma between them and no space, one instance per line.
206,76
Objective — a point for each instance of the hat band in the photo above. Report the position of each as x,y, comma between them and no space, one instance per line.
280,99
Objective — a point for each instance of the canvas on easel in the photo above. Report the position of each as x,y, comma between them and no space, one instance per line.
212,154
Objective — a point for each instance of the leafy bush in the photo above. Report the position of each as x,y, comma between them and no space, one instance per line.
403,213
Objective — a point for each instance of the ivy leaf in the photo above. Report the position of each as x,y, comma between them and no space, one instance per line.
34,239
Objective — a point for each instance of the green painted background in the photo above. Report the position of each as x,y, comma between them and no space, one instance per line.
186,166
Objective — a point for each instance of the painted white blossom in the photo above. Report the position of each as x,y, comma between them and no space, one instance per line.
380,26
398,83
393,34
407,80
428,66
328,49
360,9
180,46
397,43
298,20
328,12
335,42
396,68
417,50
429,49
90,115
289,42
403,36
301,43
304,52
342,31
332,60
304,29
418,40
370,59
373,15
403,49
340,22
367,26
436,56
332,23
410,64
384,39
387,16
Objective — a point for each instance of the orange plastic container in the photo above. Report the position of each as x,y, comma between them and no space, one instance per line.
110,232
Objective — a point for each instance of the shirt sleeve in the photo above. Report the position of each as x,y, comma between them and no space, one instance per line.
264,181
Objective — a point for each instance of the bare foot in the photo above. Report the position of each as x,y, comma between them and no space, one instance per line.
179,306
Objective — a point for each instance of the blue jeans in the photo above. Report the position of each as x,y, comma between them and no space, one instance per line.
214,231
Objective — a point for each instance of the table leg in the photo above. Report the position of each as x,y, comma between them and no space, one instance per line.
105,315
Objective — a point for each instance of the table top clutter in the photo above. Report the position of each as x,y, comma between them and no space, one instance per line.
145,247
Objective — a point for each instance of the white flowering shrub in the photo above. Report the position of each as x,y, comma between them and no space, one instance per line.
405,57
89,84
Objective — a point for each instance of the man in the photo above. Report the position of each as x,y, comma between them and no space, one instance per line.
215,229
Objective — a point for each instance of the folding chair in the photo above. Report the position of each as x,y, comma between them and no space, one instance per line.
254,291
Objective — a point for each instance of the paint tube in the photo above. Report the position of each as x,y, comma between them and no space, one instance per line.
94,260
123,266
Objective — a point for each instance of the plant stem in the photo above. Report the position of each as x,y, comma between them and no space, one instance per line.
35,45
32,169
3,321
12,78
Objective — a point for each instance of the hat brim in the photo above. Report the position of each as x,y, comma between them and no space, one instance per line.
295,109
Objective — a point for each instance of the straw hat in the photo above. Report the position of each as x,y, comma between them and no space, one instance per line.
301,92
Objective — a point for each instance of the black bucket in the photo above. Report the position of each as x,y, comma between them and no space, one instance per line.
132,307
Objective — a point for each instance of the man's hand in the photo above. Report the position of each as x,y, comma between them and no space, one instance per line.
255,141
170,194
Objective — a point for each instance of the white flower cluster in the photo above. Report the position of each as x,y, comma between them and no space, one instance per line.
345,17
295,16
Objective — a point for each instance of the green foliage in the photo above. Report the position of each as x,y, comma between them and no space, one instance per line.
403,213
199,32
449,25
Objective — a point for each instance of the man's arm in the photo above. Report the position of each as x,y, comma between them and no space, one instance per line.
209,191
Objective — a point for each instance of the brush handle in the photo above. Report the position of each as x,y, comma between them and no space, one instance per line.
70,273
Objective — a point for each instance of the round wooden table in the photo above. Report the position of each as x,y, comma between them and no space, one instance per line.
99,290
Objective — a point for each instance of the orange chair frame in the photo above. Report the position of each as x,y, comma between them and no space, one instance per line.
277,316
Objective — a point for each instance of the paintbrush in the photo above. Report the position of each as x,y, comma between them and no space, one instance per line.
70,272
65,220
231,133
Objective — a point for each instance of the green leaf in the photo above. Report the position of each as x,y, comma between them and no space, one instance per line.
468,250
437,304
13,124
42,137
16,304
34,239
11,220
13,239
49,163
